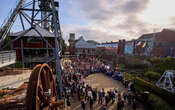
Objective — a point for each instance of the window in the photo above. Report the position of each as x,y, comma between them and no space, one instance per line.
34,40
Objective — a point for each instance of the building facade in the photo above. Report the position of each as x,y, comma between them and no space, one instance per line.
80,46
31,49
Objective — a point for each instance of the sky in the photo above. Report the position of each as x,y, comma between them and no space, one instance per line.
109,20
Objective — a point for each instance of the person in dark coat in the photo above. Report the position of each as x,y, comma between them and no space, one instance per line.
107,99
68,104
83,104
134,105
120,104
91,102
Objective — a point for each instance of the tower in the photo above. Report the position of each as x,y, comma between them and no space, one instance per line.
72,43
34,15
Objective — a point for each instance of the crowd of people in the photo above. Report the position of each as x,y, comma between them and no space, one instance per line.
75,70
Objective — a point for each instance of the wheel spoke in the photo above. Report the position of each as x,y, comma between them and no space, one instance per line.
44,82
42,97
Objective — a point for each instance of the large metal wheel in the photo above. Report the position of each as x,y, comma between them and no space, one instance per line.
41,92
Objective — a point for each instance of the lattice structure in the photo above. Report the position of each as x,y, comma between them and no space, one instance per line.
32,14
167,81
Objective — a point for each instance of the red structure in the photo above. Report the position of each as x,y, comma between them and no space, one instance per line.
31,49
121,47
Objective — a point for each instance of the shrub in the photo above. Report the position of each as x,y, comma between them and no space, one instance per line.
129,77
161,64
16,65
136,65
152,76
157,103
169,97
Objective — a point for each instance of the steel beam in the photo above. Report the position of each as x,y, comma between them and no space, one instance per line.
57,58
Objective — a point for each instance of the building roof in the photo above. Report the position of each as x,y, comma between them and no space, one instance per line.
167,35
33,33
81,43
108,45
148,36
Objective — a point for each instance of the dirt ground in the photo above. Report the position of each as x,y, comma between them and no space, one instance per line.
102,81
13,78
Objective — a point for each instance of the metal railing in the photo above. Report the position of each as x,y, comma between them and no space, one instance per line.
7,58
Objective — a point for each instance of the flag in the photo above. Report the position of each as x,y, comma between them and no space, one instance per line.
139,43
144,45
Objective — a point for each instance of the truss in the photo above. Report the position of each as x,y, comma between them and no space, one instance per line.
33,13
167,81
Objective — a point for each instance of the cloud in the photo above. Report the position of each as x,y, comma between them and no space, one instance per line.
110,19
134,6
172,19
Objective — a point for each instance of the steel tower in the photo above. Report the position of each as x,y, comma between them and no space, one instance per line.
43,13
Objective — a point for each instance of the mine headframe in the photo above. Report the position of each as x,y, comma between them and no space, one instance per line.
32,14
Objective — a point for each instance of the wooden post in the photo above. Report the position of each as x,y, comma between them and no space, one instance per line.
47,54
22,52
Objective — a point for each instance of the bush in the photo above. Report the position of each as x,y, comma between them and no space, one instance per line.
156,103
161,64
169,97
152,76
16,65
136,65
129,77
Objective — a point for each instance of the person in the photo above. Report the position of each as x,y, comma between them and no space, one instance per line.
129,97
89,94
94,95
113,97
100,97
119,96
68,104
124,96
104,108
103,94
83,104
120,104
134,105
91,102
107,99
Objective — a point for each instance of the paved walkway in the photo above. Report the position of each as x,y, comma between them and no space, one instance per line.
102,81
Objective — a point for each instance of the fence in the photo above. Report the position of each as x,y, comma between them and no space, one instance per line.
7,58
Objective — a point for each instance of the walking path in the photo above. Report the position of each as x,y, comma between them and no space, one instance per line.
102,81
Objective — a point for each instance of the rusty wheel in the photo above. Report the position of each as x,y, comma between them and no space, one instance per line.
41,92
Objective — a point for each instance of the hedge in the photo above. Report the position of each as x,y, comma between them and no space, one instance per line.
169,97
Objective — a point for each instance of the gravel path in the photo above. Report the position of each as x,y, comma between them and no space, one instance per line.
102,81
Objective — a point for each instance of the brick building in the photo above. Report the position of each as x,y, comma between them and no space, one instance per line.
164,44
159,44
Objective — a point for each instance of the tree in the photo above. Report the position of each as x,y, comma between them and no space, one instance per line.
6,40
93,42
